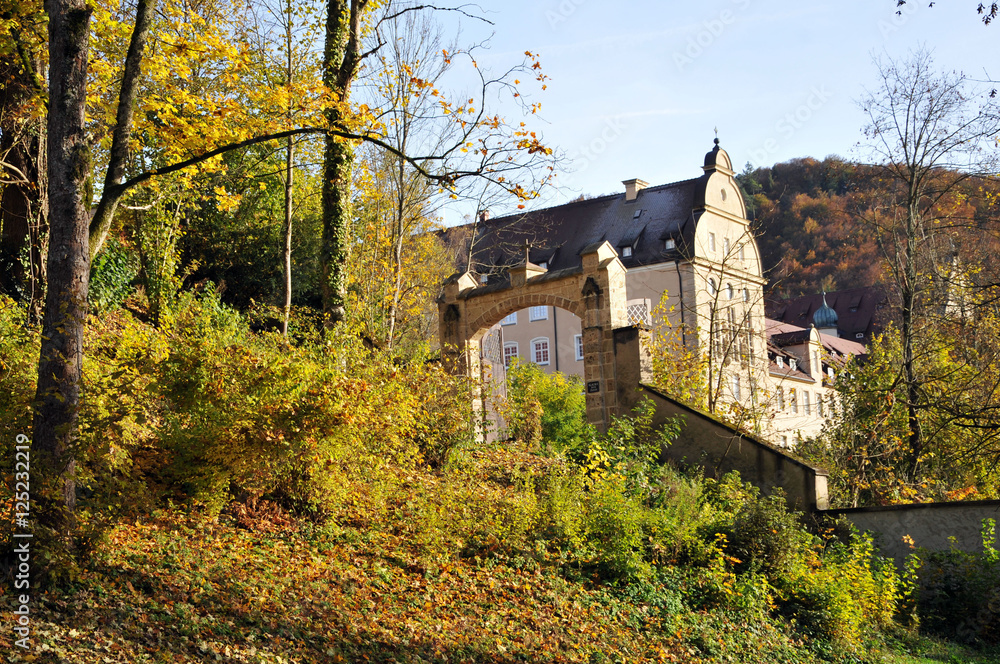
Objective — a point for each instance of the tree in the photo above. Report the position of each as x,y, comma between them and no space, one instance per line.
196,126
61,357
929,133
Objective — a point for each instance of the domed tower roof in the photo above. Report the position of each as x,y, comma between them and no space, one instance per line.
717,159
825,316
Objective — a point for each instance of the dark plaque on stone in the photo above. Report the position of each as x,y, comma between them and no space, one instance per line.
593,386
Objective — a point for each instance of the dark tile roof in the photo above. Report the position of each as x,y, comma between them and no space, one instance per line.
558,234
859,311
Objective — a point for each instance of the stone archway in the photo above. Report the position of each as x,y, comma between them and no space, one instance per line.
595,292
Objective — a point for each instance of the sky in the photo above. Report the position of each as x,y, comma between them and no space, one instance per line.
638,88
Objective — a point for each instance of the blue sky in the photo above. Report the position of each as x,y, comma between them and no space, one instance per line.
638,88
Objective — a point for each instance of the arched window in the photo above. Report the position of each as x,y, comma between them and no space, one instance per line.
540,350
730,293
713,288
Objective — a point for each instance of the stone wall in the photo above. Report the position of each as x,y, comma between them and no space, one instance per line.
710,443
930,525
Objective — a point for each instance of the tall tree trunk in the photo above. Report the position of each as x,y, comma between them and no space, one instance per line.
289,174
60,362
341,55
21,150
909,304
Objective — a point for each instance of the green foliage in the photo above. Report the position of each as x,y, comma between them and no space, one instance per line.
111,276
546,409
959,591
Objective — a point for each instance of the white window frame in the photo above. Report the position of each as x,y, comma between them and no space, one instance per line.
538,313
669,245
730,292
711,242
627,251
793,399
780,361
734,386
781,398
537,349
510,345
713,289
725,246
578,345
509,319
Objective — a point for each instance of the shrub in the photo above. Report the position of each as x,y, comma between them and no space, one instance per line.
959,592
548,410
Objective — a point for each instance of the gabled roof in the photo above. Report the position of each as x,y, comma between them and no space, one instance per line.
859,311
557,234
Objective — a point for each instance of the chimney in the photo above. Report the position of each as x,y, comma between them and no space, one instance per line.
633,187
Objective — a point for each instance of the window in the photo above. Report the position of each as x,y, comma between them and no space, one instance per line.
712,288
793,400
637,312
578,343
793,364
730,292
483,278
805,403
781,399
669,245
781,362
509,352
539,313
540,350
711,242
819,404
784,441
544,265
829,372
725,246
510,319
735,381
627,251
743,253
746,294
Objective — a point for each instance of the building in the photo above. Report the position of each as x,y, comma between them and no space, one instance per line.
693,267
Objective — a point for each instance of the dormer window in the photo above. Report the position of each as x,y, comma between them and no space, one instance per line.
627,251
781,362
829,372
793,364
544,265
483,278
669,245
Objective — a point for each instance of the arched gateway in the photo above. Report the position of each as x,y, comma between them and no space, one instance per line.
594,291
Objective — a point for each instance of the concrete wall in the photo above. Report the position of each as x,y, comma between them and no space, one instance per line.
711,443
929,524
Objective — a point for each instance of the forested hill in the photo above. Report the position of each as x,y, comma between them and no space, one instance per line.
813,220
